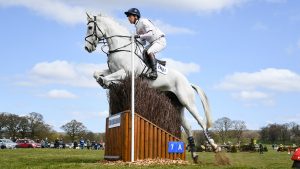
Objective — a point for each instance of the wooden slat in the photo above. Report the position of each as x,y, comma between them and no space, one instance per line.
171,156
119,141
154,142
150,141
183,157
163,145
129,137
159,154
166,145
126,139
146,140
107,138
113,131
142,142
110,142
136,137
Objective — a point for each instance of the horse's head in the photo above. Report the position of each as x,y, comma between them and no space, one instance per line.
93,35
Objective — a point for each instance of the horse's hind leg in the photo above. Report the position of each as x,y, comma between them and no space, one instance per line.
187,128
186,96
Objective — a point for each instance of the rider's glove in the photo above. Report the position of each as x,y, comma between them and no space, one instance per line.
136,36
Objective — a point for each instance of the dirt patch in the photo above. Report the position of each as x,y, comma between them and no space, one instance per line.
221,159
147,162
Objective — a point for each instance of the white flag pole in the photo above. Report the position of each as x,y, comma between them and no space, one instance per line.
132,98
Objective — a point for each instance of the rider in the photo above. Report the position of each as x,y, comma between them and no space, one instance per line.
146,31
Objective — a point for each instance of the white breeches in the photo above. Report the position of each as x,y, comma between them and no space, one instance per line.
156,46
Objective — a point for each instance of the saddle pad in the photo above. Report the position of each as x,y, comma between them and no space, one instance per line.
162,69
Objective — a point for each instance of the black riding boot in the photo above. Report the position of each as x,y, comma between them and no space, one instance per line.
153,64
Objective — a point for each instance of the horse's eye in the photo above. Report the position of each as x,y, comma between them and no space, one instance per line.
90,27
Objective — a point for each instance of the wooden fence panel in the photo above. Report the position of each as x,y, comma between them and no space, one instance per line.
150,140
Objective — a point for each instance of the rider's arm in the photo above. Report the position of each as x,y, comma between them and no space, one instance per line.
148,26
146,35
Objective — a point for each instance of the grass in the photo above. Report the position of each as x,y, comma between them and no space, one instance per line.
84,159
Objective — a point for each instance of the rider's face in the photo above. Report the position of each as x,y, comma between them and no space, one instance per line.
132,19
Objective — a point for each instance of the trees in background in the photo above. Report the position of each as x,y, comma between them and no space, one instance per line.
74,129
281,133
226,130
34,127
239,127
31,126
222,127
235,131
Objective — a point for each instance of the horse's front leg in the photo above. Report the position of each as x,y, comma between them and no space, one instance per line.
111,78
98,75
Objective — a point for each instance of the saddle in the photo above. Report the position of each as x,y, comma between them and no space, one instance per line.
162,62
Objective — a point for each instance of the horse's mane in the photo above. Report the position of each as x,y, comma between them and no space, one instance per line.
112,22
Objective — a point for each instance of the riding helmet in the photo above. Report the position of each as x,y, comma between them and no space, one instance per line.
133,11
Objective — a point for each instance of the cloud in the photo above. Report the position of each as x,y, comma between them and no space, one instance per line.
261,86
282,80
73,12
259,26
197,6
53,9
63,73
250,95
60,94
170,29
185,68
252,98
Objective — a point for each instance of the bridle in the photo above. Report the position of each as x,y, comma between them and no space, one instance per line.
104,39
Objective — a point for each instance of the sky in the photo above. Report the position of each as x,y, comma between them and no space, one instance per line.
245,54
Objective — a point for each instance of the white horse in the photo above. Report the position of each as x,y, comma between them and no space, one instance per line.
118,40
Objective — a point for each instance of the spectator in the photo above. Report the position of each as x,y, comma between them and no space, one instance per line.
75,144
93,145
261,149
56,143
81,143
88,144
42,143
46,142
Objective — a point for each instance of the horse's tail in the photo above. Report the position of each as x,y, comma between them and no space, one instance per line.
205,104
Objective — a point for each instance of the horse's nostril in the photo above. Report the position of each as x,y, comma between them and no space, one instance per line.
86,48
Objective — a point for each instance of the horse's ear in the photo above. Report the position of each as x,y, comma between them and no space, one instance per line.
88,16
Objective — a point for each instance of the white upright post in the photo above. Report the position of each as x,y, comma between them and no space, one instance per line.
132,98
